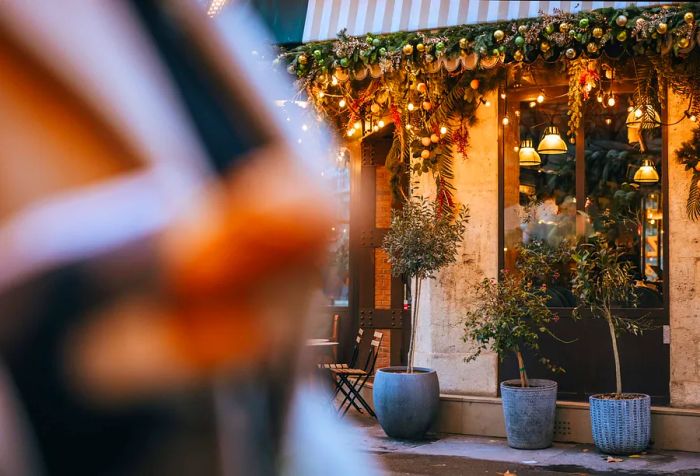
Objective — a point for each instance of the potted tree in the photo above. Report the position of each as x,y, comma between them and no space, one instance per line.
509,317
422,239
621,422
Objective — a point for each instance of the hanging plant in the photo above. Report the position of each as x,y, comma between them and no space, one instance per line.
689,156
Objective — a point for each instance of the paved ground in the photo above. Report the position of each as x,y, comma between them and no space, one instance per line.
448,455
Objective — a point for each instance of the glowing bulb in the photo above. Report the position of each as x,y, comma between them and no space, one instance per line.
517,113
693,118
409,127
487,103
351,132
611,101
357,125
380,124
342,103
410,106
599,98
505,121
540,98
334,81
638,113
608,121
630,109
516,148
375,128
304,127
503,95
533,104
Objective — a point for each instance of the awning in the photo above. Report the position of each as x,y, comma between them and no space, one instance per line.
325,18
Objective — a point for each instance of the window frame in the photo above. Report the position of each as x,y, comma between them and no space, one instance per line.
508,137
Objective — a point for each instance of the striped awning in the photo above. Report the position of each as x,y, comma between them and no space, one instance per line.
325,18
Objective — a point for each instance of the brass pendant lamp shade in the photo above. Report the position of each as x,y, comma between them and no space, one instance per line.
552,143
646,173
635,118
527,154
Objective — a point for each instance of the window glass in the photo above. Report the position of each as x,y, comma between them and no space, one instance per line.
337,277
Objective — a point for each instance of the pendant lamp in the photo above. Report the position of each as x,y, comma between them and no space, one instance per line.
527,154
646,173
552,143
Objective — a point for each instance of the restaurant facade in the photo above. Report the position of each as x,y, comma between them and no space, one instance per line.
563,123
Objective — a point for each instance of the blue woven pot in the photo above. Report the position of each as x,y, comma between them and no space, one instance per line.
529,413
406,404
621,426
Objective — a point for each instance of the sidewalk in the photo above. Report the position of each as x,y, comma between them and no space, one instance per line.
448,454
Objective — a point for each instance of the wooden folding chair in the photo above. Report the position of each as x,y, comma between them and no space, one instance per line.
352,389
353,358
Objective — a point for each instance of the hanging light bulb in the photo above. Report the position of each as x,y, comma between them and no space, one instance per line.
505,121
646,173
410,106
552,143
503,95
540,98
611,101
533,104
341,103
527,155
487,103
608,121
380,124
443,130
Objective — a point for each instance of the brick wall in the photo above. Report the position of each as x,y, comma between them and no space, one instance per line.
384,358
382,280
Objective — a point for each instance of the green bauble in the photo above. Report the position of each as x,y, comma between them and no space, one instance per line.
369,40
621,36
440,46
376,42
317,53
382,51
583,23
495,52
344,62
549,29
519,41
579,37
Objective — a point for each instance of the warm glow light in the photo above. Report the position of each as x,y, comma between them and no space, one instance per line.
608,121
334,81
375,128
357,125
540,98
487,103
443,129
599,98
341,103
552,143
351,132
693,118
533,104
380,124
410,106
527,155
409,127
611,101
646,173
503,95
320,94
634,118
505,121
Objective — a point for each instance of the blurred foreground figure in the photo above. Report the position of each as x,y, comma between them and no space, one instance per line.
158,232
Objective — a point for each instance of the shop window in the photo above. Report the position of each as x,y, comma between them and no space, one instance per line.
607,178
337,277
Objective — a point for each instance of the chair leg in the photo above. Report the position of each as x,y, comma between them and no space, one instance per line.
348,394
355,390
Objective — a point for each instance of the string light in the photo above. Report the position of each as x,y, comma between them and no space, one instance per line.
505,121
342,103
380,124
443,130
334,80
599,98
533,104
693,118
375,128
608,121
357,125
611,101
351,132
409,127
487,103
503,95
540,98
321,94
410,106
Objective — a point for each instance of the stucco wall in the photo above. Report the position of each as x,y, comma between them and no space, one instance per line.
684,273
445,299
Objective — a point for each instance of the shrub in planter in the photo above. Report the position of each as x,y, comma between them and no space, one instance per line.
422,239
508,317
620,422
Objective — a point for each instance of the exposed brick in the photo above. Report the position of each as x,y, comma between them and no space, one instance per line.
382,280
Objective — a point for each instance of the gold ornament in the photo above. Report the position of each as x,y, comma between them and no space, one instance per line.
427,105
597,32
662,28
621,20
683,42
420,47
544,46
302,59
425,141
408,49
592,48
474,84
564,27
689,18
425,153
621,36
518,55
434,138
522,28
571,53
498,35
463,43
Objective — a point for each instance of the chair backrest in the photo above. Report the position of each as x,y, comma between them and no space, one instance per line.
373,352
334,335
356,348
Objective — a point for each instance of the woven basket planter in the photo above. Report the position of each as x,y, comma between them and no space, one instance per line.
621,426
529,413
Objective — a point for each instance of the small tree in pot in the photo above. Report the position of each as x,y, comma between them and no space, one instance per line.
603,279
422,239
509,317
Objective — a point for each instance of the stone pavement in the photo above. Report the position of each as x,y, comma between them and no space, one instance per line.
448,454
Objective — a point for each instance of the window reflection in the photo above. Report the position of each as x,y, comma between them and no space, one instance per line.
337,278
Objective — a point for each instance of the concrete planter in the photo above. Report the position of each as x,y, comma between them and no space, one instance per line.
621,426
406,404
529,413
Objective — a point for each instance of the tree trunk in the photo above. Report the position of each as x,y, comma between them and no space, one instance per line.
616,353
521,369
414,322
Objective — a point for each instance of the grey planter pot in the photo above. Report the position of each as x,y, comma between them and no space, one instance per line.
529,413
621,426
406,404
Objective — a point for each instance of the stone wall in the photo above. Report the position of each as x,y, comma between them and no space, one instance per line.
684,273
445,299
